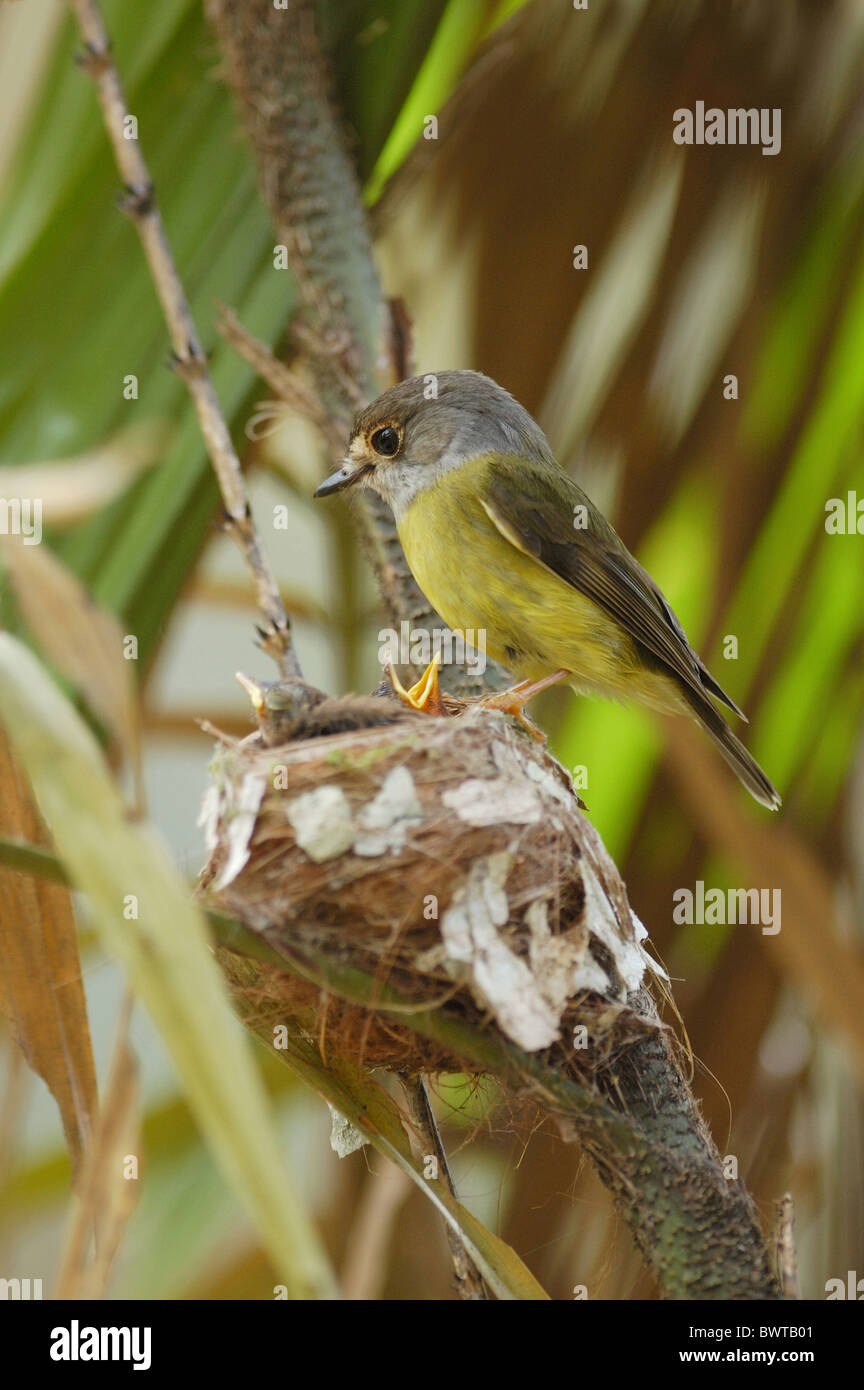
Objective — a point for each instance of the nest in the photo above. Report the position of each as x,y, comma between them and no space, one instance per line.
448,859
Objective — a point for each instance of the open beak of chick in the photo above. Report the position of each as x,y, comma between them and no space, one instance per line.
253,690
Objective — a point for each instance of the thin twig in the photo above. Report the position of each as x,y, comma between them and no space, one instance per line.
787,1260
189,359
365,1269
469,1284
353,342
286,383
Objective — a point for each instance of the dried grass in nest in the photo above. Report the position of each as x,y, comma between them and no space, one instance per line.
448,859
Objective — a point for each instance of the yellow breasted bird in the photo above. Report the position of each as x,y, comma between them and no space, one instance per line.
500,538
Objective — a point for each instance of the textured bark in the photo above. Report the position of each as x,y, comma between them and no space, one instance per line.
274,65
671,1188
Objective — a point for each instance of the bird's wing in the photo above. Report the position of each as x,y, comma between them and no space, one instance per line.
597,563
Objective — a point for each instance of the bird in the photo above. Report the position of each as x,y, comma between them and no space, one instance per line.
500,538
290,710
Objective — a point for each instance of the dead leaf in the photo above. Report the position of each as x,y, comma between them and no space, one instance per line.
41,992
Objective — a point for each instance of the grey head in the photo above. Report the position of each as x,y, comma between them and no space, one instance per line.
405,440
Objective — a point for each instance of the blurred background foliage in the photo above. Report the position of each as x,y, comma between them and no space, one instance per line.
554,130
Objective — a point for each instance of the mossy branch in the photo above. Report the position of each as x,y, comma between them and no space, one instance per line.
697,1231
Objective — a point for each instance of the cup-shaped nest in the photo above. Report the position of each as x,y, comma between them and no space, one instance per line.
447,859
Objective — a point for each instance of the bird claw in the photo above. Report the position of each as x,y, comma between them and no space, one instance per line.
511,701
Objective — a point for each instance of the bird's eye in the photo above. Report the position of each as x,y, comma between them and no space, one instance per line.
386,441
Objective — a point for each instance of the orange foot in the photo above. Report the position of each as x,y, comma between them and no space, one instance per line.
512,700
425,695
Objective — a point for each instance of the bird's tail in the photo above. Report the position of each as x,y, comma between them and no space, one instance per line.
739,759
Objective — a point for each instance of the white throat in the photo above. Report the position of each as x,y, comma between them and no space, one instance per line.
401,482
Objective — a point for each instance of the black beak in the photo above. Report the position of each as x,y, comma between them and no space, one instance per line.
338,481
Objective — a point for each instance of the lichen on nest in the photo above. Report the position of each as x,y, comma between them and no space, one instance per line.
447,858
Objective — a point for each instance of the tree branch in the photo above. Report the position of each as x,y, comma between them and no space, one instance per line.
189,359
697,1230
469,1281
352,339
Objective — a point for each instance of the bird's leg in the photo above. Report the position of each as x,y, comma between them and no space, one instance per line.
424,694
511,701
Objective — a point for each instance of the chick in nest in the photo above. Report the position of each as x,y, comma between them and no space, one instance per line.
292,710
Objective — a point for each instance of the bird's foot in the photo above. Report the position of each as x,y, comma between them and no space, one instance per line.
511,701
425,694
